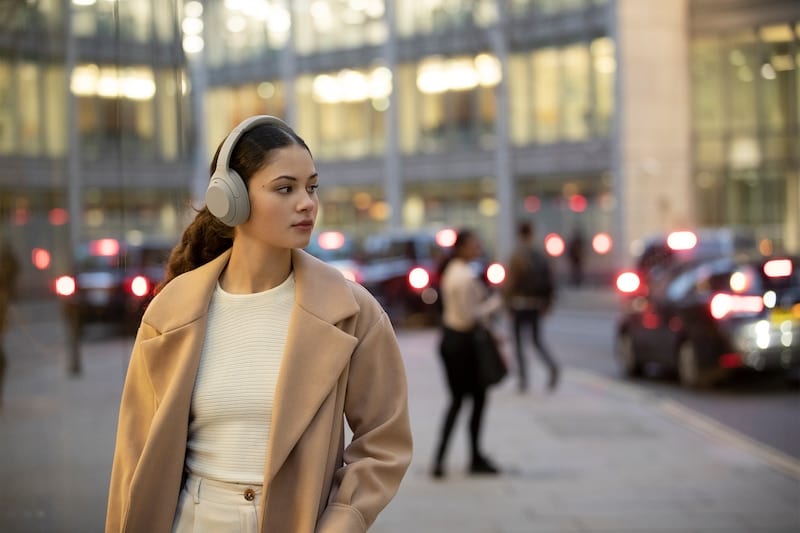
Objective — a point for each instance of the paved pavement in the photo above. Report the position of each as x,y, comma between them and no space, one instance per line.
594,456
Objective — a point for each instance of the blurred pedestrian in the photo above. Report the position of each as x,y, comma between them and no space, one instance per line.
9,270
576,249
248,362
466,302
529,291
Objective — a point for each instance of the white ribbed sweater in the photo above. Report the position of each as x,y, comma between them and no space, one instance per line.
235,385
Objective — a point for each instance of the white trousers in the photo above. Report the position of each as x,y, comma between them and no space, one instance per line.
218,507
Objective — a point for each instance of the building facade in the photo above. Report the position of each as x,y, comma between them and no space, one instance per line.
624,117
627,117
95,127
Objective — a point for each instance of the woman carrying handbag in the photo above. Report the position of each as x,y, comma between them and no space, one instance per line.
466,305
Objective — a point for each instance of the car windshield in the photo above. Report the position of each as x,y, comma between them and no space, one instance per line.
753,278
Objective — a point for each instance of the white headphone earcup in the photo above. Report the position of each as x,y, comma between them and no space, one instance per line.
227,198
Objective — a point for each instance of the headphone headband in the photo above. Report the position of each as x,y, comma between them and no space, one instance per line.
224,156
226,196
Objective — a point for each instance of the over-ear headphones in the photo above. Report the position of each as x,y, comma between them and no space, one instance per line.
226,196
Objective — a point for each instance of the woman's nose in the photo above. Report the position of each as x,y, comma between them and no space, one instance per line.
307,202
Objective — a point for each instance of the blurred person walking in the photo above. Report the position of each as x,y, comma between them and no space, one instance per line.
576,253
466,302
248,362
529,291
9,270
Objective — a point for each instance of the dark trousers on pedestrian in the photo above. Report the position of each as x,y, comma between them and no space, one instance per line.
531,318
457,351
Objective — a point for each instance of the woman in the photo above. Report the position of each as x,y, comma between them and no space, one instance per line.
247,362
465,303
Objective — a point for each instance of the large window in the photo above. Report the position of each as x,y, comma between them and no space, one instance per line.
745,95
28,100
7,107
245,31
129,21
336,24
341,113
562,93
358,210
416,17
448,103
227,106
115,110
604,70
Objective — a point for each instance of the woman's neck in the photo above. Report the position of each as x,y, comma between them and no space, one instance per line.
252,269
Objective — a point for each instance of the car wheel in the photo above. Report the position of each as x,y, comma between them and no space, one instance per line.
626,356
690,373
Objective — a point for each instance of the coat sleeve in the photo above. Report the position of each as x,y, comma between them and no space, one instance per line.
137,407
376,407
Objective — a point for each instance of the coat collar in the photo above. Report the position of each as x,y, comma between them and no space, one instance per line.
320,290
316,353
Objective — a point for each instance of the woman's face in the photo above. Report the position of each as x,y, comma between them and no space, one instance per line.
283,200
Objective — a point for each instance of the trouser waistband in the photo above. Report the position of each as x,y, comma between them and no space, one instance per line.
220,491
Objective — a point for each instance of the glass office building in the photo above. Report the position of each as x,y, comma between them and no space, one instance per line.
618,116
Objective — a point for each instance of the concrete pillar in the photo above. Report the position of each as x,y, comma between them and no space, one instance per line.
393,175
653,151
504,173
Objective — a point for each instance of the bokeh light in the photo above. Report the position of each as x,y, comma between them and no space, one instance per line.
602,243
554,244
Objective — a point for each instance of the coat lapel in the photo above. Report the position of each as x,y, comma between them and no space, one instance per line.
316,353
180,314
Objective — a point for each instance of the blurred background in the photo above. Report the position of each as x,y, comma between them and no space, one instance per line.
622,118
613,119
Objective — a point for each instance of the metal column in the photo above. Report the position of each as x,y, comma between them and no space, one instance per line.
502,151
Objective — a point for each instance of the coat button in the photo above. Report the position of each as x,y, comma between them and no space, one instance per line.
249,494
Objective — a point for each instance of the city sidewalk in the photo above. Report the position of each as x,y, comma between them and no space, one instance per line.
594,456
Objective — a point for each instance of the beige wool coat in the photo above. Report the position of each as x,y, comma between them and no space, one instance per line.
341,360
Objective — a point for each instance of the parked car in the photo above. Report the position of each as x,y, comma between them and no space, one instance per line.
666,250
400,268
708,317
112,281
340,250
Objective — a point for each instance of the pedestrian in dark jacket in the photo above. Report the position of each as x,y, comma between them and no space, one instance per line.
529,291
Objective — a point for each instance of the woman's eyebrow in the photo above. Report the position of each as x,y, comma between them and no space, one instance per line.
292,178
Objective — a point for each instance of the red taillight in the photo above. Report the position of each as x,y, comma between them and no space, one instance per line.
104,247
723,304
778,268
730,360
65,286
139,286
628,282
496,274
419,278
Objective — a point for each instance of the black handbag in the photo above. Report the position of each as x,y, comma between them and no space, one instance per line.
492,366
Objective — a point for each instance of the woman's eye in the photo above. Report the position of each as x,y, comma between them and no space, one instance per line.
312,188
286,189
